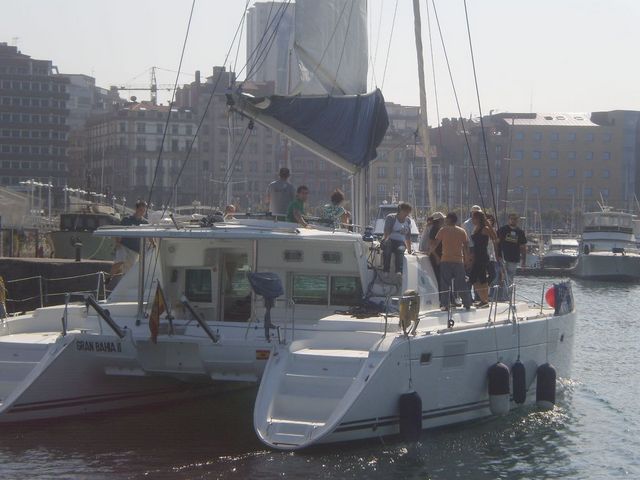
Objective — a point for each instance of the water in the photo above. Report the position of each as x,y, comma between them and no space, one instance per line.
593,433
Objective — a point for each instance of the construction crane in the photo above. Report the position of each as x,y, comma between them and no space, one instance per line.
153,87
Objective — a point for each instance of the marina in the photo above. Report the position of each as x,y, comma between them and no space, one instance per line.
270,268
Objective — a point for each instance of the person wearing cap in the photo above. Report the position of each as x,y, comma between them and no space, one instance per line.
468,223
280,194
512,247
229,212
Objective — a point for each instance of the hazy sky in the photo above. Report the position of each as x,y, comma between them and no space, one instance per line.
556,55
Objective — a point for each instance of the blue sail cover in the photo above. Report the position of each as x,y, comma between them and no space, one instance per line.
351,126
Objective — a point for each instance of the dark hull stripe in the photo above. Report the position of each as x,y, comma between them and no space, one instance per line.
426,415
89,399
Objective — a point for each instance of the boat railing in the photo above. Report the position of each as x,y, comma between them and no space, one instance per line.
45,289
105,315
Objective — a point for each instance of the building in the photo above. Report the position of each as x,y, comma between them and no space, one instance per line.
33,120
270,30
123,147
85,99
546,166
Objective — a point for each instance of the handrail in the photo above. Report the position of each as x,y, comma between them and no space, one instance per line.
105,315
214,337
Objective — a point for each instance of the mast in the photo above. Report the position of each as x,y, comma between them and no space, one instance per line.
423,126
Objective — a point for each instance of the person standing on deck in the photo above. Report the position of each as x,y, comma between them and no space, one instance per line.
397,237
280,194
455,254
295,210
512,247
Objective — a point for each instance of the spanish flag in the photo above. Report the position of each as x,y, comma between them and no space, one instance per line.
159,306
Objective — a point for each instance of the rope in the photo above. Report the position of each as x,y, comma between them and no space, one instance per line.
455,94
386,62
433,73
173,95
484,136
344,44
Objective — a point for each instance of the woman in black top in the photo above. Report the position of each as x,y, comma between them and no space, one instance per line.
481,236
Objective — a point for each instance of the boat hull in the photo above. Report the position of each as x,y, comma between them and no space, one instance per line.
608,267
93,248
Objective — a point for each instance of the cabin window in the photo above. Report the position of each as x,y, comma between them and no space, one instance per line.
293,255
310,289
332,257
345,291
198,285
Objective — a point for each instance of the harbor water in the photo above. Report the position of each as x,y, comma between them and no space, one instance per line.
594,432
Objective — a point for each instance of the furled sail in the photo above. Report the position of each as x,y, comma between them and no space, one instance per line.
349,127
330,45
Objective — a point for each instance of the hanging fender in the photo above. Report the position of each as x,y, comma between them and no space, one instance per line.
519,379
498,376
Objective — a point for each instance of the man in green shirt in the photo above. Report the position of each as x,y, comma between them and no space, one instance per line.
295,211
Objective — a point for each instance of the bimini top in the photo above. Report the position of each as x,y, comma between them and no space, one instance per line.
237,230
351,126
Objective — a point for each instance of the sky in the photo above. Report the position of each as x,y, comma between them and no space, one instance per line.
530,55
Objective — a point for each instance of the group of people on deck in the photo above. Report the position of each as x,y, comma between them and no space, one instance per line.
283,203
473,256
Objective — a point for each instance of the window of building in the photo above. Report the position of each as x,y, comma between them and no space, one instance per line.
606,155
174,145
537,136
553,172
197,285
555,136
519,135
588,173
571,172
141,127
382,188
606,173
174,129
536,155
189,130
553,155
571,136
519,172
589,137
588,192
571,155
535,172
159,128
382,172
518,155
553,191
606,137
605,192
589,156
535,190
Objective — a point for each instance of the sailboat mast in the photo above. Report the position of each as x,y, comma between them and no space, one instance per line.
423,126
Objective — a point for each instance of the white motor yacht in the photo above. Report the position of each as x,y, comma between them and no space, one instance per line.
327,347
608,248
560,253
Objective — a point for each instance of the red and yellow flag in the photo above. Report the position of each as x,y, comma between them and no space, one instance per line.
158,308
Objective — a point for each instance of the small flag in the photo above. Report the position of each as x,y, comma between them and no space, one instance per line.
159,306
262,354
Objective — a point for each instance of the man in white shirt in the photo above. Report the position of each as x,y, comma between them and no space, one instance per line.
281,193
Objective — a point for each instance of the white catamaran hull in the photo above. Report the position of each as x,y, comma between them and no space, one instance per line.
311,394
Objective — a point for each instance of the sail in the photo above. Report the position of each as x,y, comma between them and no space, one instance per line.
330,46
349,126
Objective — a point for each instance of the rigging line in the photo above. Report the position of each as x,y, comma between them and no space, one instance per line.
260,48
375,54
506,188
455,95
344,44
433,73
268,24
204,115
386,62
484,136
333,33
242,22
267,48
173,95
239,148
